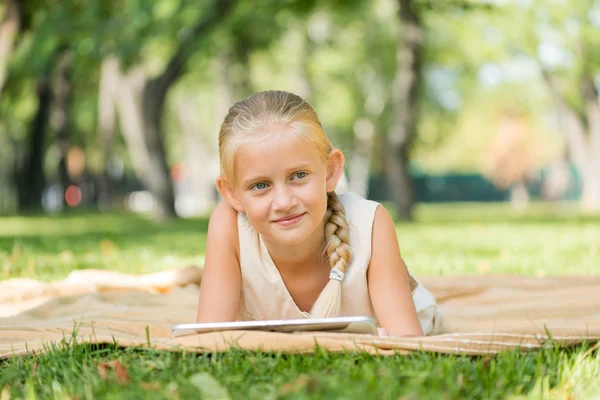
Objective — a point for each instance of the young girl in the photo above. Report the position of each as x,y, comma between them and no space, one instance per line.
284,245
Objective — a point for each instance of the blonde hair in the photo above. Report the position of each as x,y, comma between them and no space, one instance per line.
243,123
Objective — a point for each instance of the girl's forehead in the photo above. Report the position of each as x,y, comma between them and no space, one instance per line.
278,152
288,143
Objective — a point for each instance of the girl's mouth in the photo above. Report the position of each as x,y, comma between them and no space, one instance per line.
289,220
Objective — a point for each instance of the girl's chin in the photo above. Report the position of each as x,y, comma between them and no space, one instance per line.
289,237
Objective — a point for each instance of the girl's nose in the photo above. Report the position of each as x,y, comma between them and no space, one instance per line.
284,198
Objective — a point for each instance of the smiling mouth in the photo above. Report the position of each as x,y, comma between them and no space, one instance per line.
288,218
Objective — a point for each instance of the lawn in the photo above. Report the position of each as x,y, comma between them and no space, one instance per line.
445,240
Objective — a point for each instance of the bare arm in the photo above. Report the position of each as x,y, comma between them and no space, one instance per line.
388,279
221,279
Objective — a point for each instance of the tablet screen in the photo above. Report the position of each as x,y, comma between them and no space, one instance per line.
363,325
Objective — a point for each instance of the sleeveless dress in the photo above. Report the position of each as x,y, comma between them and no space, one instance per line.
264,295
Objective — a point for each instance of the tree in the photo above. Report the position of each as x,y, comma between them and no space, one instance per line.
30,175
140,103
570,31
405,90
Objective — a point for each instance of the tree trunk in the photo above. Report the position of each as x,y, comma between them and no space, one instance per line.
141,105
159,180
241,86
9,27
61,92
201,162
361,157
107,99
591,183
519,195
31,180
584,148
405,91
558,179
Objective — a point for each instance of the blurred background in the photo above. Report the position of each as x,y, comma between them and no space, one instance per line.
115,105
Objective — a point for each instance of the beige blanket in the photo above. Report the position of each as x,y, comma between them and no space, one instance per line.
482,314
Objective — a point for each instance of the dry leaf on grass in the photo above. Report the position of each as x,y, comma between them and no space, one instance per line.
310,383
120,371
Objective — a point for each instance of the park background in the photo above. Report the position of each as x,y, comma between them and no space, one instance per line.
476,123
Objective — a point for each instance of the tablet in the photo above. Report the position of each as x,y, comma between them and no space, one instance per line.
362,325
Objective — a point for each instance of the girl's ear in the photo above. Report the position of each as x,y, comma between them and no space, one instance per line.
335,168
228,192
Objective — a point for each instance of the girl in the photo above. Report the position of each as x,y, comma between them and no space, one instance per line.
284,245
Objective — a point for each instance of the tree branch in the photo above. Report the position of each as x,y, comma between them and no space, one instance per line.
174,68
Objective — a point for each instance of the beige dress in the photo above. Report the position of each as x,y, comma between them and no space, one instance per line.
265,296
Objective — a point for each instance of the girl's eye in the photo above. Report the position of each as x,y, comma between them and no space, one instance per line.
299,175
259,186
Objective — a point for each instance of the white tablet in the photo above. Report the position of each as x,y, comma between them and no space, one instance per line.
364,325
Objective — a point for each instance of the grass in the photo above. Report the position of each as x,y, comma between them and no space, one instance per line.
446,240
75,370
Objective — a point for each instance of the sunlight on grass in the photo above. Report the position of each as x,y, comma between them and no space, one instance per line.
578,379
49,247
447,239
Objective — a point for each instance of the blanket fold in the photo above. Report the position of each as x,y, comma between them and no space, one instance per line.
482,315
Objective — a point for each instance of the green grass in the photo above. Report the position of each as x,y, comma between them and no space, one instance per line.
445,240
74,370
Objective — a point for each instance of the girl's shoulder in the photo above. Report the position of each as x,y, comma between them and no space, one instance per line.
357,207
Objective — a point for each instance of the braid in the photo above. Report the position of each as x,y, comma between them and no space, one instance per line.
337,247
337,235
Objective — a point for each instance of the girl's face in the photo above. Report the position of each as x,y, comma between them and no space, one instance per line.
282,184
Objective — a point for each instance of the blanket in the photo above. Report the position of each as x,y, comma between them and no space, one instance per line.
482,315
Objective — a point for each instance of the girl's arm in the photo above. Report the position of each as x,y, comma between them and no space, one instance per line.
388,279
221,279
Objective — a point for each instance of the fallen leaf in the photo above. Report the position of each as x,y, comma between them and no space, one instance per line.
209,387
103,371
310,383
120,371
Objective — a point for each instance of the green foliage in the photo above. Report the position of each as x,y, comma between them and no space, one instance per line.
342,53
